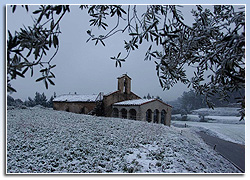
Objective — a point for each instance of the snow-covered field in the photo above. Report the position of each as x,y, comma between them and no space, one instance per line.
212,119
225,115
218,111
43,141
229,132
223,122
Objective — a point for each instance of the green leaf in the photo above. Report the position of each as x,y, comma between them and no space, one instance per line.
58,9
37,11
29,52
10,89
43,70
119,55
52,25
52,66
55,41
50,41
31,72
27,8
41,78
40,18
20,74
46,84
53,75
51,82
120,64
25,70
13,8
102,42
134,34
161,83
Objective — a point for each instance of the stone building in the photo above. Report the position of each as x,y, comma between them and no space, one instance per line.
122,94
122,103
150,110
76,103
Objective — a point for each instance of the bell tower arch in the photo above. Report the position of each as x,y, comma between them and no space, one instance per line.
124,84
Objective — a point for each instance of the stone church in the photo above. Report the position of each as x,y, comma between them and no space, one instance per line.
122,103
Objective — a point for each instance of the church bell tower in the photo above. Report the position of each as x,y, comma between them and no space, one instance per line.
124,84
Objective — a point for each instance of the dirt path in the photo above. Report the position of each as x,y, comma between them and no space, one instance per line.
231,151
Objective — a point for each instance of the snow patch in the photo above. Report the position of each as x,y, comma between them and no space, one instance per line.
229,132
134,102
75,98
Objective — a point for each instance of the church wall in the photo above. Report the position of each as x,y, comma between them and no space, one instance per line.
75,107
159,106
116,97
128,108
142,109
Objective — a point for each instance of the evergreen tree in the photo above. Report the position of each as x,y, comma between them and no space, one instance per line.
50,102
10,101
191,100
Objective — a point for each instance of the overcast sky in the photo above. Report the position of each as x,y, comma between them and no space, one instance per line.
87,69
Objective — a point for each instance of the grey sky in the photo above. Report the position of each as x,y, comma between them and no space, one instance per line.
85,68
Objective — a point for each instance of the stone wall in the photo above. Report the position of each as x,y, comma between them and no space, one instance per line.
128,112
75,107
155,112
115,97
154,106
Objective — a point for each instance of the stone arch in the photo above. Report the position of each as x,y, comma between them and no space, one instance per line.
67,109
83,110
124,85
132,114
124,113
149,115
156,116
115,112
163,116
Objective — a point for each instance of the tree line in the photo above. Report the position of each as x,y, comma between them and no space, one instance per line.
39,99
190,100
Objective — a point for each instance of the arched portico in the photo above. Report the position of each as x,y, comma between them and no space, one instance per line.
132,114
149,115
163,117
115,112
156,116
124,113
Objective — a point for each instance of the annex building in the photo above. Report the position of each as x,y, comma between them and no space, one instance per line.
122,103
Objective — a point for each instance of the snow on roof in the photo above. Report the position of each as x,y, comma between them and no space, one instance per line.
135,102
111,93
76,98
123,76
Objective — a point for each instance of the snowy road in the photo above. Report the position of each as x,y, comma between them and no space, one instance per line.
232,151
45,141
